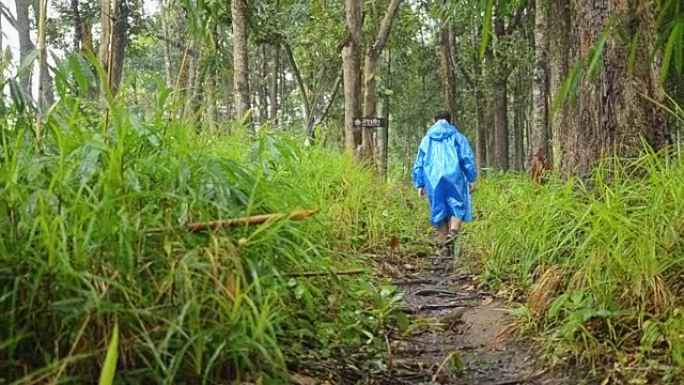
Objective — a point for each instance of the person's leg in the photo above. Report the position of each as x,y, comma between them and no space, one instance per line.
443,231
455,224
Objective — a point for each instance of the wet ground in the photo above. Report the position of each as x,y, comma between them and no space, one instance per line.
461,334
466,338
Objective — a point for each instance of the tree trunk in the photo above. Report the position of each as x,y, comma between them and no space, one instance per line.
382,140
78,27
611,114
370,69
210,98
106,21
481,134
25,44
263,85
240,60
119,42
306,98
447,69
351,64
273,89
44,81
500,139
519,121
539,138
168,71
558,60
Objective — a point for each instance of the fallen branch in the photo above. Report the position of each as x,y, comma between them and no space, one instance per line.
245,221
430,292
412,282
435,306
323,273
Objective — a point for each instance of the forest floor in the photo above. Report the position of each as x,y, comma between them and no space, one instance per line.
466,338
467,335
460,334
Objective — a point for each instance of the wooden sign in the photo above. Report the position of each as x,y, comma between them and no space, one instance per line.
370,122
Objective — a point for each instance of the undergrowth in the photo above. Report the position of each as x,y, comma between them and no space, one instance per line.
599,263
93,240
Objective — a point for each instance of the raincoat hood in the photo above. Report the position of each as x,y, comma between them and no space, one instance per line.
441,130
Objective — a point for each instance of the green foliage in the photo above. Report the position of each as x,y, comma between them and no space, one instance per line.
93,236
617,243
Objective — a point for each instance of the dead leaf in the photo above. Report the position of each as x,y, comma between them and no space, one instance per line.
301,379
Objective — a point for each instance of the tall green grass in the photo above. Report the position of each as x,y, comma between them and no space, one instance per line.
601,263
79,259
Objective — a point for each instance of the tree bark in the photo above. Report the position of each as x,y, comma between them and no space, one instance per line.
306,98
25,44
44,82
351,64
119,42
481,134
273,89
447,69
383,137
539,137
370,69
519,121
106,21
558,61
210,98
263,85
78,29
240,60
611,115
500,139
168,71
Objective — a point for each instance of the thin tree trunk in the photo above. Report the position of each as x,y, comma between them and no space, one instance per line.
351,59
168,71
370,69
42,65
106,21
539,139
383,137
306,98
25,44
263,85
78,26
447,69
519,121
119,43
240,60
273,89
210,100
501,156
481,134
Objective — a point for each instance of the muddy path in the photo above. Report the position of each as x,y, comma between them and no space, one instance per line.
465,336
460,334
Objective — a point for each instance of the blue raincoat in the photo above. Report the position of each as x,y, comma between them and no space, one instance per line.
444,166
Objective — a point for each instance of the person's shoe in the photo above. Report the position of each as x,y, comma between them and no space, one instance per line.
452,236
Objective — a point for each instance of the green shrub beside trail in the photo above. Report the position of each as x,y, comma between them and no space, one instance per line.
78,253
601,264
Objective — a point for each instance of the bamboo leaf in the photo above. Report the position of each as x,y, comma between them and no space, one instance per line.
667,57
486,26
109,367
597,53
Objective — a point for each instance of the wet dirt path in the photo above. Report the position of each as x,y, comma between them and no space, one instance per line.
464,339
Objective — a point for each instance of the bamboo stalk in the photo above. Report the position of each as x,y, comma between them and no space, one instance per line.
245,221
42,63
324,273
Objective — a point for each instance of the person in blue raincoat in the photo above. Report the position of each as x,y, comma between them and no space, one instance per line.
445,170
